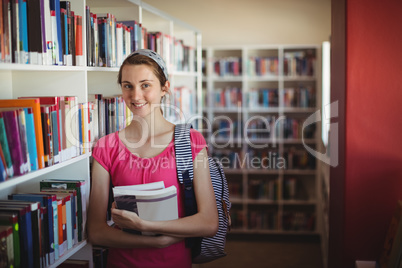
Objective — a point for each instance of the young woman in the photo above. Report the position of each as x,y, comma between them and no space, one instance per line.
143,152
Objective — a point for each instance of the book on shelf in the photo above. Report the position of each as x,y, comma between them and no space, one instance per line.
10,218
35,105
71,212
6,246
18,155
151,201
26,230
46,201
32,32
8,164
80,188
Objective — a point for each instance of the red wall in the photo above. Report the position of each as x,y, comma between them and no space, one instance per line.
373,129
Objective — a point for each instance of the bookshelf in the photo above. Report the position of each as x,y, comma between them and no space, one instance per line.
256,100
18,80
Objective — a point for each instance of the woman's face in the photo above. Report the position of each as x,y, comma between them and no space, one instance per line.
141,89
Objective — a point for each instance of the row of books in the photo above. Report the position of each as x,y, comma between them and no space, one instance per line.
235,188
298,159
51,130
263,127
268,219
298,221
299,63
40,32
227,67
293,129
263,66
110,41
227,128
264,189
180,104
110,114
263,97
263,220
292,189
228,97
44,225
303,96
37,132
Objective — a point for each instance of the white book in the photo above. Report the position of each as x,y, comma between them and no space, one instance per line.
149,201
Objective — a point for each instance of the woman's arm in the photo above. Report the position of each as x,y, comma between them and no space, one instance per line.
99,232
203,223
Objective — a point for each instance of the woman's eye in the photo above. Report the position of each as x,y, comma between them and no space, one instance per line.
145,85
127,86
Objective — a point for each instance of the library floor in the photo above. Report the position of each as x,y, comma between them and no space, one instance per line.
269,254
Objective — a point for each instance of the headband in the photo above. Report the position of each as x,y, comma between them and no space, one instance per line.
153,55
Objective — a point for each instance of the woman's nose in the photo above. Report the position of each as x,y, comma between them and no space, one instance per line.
136,93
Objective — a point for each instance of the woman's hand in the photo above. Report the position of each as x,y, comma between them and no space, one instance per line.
126,219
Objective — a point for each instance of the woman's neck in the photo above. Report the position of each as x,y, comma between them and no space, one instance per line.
149,126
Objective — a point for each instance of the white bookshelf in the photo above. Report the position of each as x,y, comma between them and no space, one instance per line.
17,80
243,177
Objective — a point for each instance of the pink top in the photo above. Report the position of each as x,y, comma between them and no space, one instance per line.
125,168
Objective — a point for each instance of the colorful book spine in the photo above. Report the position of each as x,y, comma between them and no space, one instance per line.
23,23
78,42
54,40
47,135
4,145
14,142
24,140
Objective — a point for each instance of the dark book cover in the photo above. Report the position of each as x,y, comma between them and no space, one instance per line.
47,212
79,187
34,227
64,40
15,36
73,53
6,255
47,135
11,218
24,222
34,31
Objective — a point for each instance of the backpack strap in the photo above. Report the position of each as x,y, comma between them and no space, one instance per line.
184,165
185,175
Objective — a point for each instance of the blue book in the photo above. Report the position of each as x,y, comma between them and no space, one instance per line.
55,6
23,24
265,100
31,138
3,172
46,201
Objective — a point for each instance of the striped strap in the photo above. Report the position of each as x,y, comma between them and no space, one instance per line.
182,146
184,166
